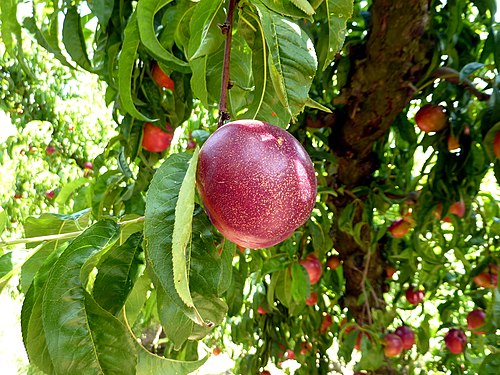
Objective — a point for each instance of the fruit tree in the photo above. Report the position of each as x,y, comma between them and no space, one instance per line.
306,181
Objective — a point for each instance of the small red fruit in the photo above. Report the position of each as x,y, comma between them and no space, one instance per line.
486,280
390,271
431,118
265,372
290,354
399,228
496,145
191,144
18,196
305,347
261,311
393,345
50,194
414,296
313,299
455,340
326,323
333,262
156,140
313,267
407,336
457,209
453,142
49,150
217,350
257,183
87,165
476,319
161,78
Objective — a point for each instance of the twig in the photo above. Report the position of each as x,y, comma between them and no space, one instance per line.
452,76
61,236
226,29
363,286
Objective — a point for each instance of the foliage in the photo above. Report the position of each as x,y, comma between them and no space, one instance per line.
131,252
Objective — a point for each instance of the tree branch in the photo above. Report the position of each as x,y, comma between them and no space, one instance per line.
452,76
226,29
382,82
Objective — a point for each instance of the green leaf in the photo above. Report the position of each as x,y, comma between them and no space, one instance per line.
423,336
182,231
146,10
292,56
31,315
137,298
50,224
49,41
152,364
264,104
118,273
212,309
199,79
208,38
490,365
6,267
284,287
202,42
176,324
3,220
373,357
74,40
159,221
337,12
468,69
226,268
496,309
34,338
69,188
126,64
208,274
311,103
102,9
234,294
9,27
290,8
300,283
81,336
304,6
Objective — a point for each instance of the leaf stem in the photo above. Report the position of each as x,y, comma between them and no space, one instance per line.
226,29
61,236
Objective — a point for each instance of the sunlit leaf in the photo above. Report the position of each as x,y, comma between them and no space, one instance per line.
146,10
181,234
292,55
337,12
126,64
74,40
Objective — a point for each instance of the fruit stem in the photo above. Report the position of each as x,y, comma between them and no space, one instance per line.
226,29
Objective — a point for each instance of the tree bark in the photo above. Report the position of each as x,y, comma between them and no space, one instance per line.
382,83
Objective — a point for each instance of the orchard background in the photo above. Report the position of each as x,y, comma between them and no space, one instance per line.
406,224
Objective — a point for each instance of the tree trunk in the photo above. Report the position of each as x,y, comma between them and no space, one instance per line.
382,82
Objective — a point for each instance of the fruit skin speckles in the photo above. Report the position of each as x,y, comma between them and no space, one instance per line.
257,183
